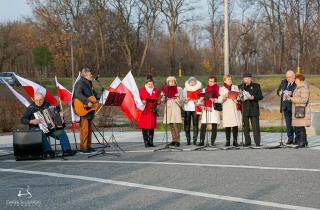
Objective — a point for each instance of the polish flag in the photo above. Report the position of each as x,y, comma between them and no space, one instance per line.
74,117
22,99
63,93
31,88
112,88
132,105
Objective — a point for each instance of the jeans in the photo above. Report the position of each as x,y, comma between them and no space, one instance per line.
59,135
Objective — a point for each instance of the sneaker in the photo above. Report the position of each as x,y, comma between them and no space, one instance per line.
85,151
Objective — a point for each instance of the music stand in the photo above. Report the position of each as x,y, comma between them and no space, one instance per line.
113,99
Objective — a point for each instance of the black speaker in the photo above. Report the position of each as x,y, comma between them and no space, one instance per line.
27,145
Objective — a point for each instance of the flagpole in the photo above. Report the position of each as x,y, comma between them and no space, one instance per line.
58,93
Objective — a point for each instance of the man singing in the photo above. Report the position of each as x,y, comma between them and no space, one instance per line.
285,91
250,108
28,119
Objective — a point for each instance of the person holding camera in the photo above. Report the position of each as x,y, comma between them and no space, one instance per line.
149,95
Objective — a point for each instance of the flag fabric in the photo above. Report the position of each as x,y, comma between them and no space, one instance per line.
31,88
74,117
20,97
132,105
112,88
63,93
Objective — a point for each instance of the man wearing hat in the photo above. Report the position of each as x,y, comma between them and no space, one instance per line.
251,95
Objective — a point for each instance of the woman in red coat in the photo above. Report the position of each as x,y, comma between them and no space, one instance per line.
148,120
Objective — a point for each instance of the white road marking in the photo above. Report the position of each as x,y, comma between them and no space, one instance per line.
174,163
162,189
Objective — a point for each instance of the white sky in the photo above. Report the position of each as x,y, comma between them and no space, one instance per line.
11,10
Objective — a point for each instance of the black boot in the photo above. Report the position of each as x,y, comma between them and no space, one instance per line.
151,134
145,137
201,142
188,136
227,143
235,143
228,136
214,133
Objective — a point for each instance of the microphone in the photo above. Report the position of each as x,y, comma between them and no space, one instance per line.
97,77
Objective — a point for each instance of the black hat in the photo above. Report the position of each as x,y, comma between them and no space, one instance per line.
247,74
149,79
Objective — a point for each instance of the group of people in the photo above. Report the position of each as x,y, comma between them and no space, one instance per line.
239,105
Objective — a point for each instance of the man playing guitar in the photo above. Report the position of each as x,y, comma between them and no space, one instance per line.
84,92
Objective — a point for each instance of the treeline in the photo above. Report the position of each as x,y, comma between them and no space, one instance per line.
160,36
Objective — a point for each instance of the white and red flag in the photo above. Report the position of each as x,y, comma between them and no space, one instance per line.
132,105
74,117
20,97
64,94
112,88
31,88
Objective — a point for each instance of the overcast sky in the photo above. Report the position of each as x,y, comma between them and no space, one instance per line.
11,10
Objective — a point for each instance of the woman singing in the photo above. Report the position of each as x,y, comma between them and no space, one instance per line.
191,108
148,120
231,110
209,114
172,111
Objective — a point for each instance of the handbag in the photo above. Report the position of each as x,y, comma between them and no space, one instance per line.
300,111
217,107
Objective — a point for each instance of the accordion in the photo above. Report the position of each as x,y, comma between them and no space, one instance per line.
50,119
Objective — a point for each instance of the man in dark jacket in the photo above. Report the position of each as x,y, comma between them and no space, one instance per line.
28,118
285,90
250,108
82,91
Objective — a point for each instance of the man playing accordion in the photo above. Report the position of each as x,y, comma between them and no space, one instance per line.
28,118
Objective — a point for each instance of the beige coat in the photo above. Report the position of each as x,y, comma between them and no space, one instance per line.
301,96
174,111
231,117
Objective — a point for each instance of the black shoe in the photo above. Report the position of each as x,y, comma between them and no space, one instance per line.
172,143
247,145
235,143
91,149
188,142
49,154
289,142
227,144
212,142
201,144
69,153
177,144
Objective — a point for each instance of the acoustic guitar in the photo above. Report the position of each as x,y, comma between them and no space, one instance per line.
82,109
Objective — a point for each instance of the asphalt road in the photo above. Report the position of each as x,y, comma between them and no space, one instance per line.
142,179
